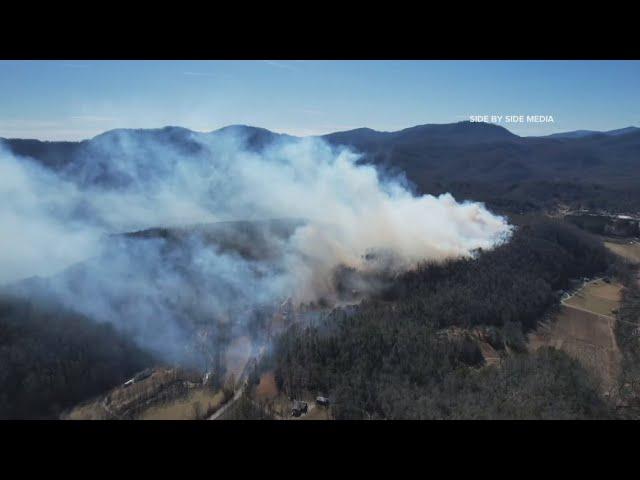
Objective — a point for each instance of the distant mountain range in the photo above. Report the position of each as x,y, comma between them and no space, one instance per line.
472,160
586,133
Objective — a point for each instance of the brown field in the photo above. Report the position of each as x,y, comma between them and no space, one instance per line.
598,297
586,336
89,411
193,407
584,329
166,394
267,388
630,251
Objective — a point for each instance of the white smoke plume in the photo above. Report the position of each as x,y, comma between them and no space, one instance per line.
126,181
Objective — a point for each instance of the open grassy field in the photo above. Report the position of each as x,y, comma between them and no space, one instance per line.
192,407
585,336
628,250
598,297
166,394
88,411
584,329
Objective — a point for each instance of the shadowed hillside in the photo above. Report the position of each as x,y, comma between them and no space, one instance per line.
511,173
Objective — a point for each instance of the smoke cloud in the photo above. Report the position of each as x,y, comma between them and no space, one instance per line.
166,287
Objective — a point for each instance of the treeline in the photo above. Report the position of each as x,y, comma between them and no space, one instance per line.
516,282
628,338
51,359
400,356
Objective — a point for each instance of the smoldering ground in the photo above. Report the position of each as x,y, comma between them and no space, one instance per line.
163,286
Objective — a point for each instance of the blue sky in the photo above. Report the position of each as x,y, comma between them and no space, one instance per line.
71,100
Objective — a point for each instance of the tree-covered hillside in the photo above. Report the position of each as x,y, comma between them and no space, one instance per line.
51,359
397,355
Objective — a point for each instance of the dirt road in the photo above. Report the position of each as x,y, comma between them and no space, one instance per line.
244,383
218,413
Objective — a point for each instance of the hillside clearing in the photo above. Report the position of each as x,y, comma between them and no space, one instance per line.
584,329
598,297
193,407
165,394
627,250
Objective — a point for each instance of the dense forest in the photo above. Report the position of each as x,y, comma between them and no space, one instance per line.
51,359
487,163
409,353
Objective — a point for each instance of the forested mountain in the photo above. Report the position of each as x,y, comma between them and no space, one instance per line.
478,161
486,162
585,133
52,358
398,354
405,352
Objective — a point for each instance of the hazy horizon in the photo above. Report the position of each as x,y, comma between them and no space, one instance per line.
291,134
76,100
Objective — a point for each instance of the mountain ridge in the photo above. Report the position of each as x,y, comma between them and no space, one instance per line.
586,133
472,160
422,128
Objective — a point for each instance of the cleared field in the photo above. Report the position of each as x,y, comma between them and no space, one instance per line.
164,394
91,411
584,329
598,297
630,251
585,336
193,407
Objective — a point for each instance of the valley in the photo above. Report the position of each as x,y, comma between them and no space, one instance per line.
383,298
583,328
197,244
